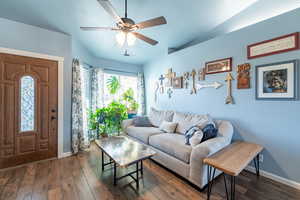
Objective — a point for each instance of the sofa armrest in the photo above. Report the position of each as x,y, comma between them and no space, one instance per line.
201,151
126,123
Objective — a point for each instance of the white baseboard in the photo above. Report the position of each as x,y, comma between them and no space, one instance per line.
65,154
276,178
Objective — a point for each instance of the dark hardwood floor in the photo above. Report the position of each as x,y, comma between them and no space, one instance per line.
80,178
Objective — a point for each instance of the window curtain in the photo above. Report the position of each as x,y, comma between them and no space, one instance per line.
97,88
141,94
79,141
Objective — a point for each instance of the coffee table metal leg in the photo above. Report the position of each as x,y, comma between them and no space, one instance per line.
137,176
115,174
102,160
142,168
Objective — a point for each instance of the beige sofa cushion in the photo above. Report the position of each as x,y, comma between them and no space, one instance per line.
186,121
142,133
156,117
168,127
172,144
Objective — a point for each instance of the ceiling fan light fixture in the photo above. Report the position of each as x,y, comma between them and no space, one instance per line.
125,38
131,39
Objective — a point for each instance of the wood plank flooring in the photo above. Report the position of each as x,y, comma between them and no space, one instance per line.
80,178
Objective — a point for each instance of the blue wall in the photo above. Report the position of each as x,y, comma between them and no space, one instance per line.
274,124
25,37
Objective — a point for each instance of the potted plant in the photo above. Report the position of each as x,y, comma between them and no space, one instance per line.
107,120
131,104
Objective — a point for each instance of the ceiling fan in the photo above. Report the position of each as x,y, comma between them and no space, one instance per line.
127,27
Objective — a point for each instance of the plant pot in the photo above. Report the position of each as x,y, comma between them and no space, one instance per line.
131,115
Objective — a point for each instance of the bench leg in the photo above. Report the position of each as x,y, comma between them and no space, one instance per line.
210,180
256,164
232,189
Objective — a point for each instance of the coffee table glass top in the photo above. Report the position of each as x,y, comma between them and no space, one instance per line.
123,150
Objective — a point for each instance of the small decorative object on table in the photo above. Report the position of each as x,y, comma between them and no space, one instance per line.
170,75
277,81
229,99
218,66
177,82
243,77
274,46
161,79
186,78
193,74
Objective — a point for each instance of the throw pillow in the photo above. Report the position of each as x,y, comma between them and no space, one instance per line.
142,121
168,127
209,132
156,117
186,121
196,138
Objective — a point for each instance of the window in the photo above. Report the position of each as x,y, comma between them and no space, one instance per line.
126,82
27,97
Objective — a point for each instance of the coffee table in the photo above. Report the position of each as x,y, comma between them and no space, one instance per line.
123,152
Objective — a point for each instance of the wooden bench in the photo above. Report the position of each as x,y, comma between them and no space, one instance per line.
232,160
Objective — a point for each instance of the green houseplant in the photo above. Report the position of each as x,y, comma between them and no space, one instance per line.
107,120
128,99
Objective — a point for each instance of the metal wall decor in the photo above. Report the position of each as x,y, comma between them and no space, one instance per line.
202,74
229,99
177,82
243,76
193,75
170,75
170,92
215,85
186,78
161,80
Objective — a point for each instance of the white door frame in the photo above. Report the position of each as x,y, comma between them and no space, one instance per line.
60,60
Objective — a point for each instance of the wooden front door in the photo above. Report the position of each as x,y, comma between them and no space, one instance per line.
28,109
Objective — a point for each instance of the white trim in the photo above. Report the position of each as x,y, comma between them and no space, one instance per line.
60,60
276,178
66,154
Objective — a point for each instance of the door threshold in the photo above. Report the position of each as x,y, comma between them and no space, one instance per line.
26,164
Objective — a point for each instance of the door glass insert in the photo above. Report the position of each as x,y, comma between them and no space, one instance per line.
27,95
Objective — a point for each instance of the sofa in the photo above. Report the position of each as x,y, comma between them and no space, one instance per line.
172,152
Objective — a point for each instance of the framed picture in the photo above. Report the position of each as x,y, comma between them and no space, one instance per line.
177,82
274,46
218,66
277,81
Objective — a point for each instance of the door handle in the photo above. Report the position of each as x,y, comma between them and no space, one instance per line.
53,118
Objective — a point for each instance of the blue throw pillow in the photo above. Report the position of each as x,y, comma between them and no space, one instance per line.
209,132
142,121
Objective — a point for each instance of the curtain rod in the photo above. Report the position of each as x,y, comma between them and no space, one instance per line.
120,71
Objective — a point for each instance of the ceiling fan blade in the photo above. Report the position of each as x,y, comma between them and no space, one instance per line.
152,22
99,29
110,10
145,38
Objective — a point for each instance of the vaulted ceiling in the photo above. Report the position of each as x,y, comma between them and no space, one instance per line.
189,21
